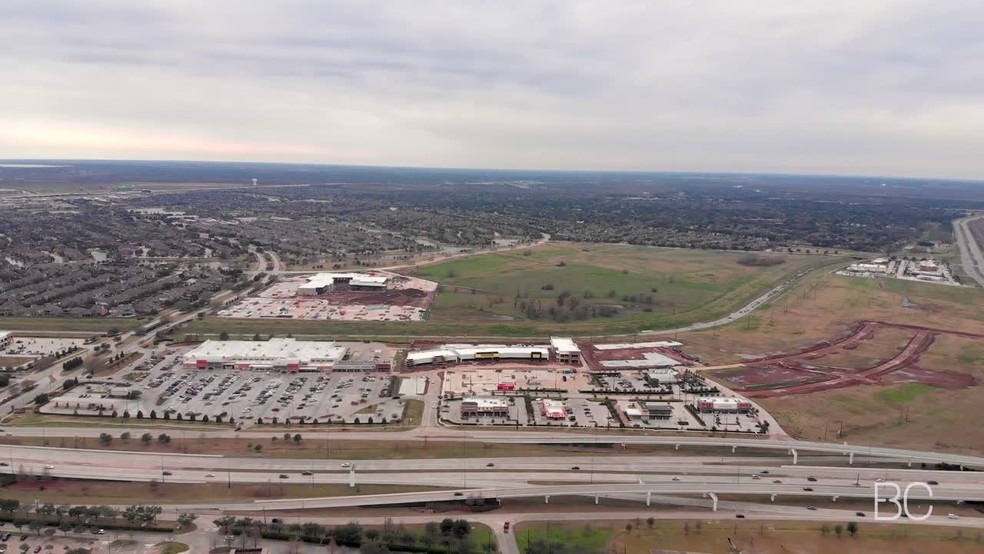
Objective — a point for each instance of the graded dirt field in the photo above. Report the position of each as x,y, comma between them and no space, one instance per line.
930,402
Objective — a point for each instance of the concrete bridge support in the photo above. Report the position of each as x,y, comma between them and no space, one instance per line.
596,500
714,499
734,448
850,458
546,500
772,497
795,455
649,498
352,476
834,499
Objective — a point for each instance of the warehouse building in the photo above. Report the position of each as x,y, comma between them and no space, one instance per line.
324,282
566,351
456,353
484,406
274,354
725,404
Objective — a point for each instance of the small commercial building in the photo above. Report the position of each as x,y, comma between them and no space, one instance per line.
724,404
657,410
553,409
484,406
275,354
566,350
5,337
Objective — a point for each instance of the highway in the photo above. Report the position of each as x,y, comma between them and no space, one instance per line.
540,437
971,257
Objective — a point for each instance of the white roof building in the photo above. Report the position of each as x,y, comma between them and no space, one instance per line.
274,353
463,352
624,345
323,281
649,359
486,402
564,345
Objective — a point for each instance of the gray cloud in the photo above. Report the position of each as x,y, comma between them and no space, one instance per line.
882,86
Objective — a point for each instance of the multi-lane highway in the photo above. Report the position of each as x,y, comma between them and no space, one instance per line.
853,452
971,256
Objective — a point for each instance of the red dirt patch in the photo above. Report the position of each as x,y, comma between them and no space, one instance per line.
787,374
940,379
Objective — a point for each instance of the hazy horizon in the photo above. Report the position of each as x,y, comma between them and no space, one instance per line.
879,88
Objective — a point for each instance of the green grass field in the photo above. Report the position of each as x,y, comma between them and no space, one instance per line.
90,324
903,394
490,294
583,538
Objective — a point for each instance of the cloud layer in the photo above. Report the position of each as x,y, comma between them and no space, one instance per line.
890,87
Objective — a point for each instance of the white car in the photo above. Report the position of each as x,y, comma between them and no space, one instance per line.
676,478
346,464
209,475
49,467
952,516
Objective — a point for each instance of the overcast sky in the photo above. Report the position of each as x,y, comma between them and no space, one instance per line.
872,87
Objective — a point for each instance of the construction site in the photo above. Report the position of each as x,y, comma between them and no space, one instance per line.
635,355
372,296
841,363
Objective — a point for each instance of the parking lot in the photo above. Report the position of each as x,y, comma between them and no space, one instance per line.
266,396
483,380
451,412
248,396
37,347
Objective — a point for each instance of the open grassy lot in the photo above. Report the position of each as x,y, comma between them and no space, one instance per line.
780,536
764,537
496,294
903,415
92,324
107,492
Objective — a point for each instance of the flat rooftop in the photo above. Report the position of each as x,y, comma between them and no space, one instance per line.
270,350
